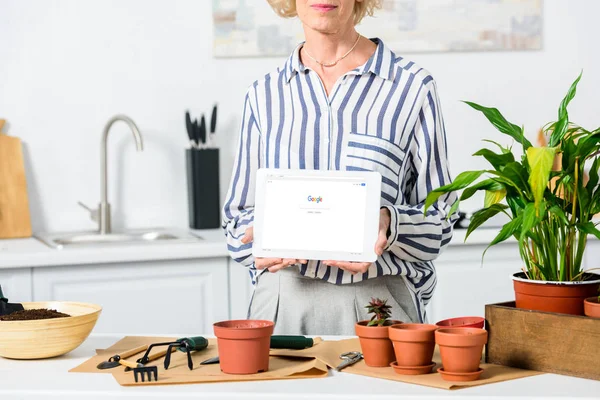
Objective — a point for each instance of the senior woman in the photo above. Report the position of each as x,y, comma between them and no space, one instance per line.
344,102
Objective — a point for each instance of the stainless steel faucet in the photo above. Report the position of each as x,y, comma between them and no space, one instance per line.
102,214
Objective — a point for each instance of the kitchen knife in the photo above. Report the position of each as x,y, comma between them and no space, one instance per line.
202,133
213,126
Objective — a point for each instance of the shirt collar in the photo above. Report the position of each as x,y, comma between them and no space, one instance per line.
381,63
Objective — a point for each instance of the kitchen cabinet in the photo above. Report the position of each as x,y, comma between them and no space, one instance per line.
144,297
16,284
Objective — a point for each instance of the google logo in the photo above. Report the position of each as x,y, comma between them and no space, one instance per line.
315,199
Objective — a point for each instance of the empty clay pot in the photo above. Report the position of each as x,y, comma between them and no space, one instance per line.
244,345
413,343
557,297
375,343
462,322
461,348
591,307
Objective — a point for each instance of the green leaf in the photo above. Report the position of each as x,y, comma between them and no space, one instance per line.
498,161
563,116
507,231
494,196
498,120
593,174
460,182
589,228
513,175
488,184
479,217
530,218
558,212
540,161
453,209
502,148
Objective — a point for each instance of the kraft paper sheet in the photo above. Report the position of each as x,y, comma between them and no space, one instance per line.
178,372
283,364
329,353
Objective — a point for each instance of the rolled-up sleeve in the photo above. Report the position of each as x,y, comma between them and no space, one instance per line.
413,236
238,211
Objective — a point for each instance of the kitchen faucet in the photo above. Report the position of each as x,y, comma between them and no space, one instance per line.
102,214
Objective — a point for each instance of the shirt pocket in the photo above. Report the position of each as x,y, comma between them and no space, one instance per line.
370,153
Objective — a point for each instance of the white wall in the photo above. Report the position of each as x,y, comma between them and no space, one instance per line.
67,66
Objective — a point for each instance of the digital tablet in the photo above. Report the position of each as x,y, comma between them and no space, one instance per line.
317,215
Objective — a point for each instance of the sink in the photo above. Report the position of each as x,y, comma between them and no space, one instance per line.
82,239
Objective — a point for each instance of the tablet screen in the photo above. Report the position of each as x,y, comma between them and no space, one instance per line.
308,213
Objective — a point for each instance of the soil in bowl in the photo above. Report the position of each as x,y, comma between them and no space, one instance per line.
34,314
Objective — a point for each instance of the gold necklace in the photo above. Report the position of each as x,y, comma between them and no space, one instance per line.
331,64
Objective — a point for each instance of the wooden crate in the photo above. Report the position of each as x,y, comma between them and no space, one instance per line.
543,341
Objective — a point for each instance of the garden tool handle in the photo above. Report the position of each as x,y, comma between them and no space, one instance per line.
196,343
158,354
130,364
129,353
290,342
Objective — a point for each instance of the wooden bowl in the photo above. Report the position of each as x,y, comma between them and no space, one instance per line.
45,338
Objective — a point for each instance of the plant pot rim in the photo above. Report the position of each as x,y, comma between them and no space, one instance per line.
457,331
260,324
521,277
472,321
593,300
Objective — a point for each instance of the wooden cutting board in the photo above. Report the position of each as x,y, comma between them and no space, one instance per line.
15,221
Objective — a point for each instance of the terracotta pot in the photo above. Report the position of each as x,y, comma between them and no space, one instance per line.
462,322
375,344
413,344
244,345
592,307
461,348
557,297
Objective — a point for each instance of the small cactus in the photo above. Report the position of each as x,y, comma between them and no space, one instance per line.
380,310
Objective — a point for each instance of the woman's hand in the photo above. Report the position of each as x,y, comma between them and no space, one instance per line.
272,264
358,267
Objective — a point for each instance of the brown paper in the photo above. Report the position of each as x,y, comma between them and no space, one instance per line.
329,353
178,372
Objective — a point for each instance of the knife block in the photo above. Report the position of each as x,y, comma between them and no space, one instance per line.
203,188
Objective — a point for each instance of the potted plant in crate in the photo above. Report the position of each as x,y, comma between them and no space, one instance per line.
550,209
373,334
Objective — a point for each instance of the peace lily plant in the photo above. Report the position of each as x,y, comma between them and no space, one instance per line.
550,209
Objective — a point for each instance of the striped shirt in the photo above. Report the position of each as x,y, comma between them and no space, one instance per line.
383,116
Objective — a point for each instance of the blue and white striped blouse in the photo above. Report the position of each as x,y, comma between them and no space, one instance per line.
383,116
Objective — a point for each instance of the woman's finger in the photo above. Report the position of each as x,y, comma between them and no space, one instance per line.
381,243
286,262
262,263
349,266
248,235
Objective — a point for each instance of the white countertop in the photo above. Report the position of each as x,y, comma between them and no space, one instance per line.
45,379
30,252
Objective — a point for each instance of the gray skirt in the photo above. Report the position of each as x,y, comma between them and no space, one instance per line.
301,305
